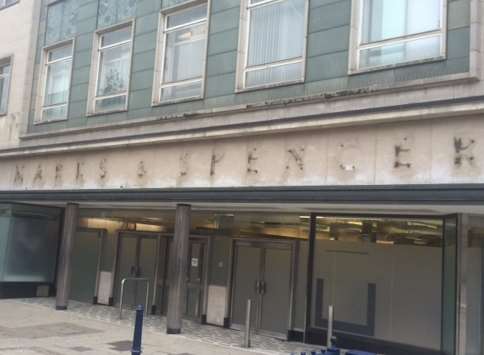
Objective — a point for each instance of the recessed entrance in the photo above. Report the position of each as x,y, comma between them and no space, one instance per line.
262,272
138,258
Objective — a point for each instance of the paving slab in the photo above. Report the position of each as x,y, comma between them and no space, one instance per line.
32,326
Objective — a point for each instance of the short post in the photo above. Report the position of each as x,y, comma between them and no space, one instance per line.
247,324
138,331
329,341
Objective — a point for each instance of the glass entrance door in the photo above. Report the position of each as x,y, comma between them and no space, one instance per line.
262,273
195,278
86,258
137,259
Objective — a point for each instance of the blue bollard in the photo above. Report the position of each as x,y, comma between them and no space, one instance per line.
333,351
138,331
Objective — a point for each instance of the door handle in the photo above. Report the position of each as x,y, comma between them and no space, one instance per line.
263,288
257,287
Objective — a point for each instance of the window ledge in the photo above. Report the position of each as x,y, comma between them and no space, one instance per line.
269,86
97,114
177,101
44,122
397,65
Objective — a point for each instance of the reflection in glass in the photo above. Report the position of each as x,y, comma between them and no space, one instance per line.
383,276
276,42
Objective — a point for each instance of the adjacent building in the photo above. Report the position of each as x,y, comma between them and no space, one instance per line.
297,153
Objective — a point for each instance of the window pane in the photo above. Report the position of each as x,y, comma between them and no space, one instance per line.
54,113
282,73
277,32
121,35
401,52
58,83
114,70
4,87
184,55
187,16
59,53
383,276
181,91
111,104
384,19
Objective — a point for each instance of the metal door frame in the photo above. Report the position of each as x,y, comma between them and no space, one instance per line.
265,243
102,233
139,235
207,240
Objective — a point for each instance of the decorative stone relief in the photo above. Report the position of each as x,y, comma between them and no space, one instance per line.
115,11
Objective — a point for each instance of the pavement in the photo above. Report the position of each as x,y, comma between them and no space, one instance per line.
33,327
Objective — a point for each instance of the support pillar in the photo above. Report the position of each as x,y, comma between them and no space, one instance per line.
178,270
71,215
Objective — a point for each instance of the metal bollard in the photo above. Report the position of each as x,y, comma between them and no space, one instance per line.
138,331
329,340
247,324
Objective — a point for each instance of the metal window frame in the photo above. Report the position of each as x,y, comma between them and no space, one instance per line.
163,31
357,45
42,89
243,49
8,61
97,51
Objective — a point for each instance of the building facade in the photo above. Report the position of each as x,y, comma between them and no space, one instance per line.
297,153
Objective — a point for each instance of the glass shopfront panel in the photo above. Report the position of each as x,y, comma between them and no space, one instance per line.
472,278
384,278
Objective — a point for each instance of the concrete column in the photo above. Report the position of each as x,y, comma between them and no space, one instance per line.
71,215
177,276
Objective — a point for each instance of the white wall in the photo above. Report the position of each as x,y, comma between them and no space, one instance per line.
18,23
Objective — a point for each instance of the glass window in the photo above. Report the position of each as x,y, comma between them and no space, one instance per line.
114,70
384,278
185,41
5,69
58,67
5,3
399,31
61,21
276,42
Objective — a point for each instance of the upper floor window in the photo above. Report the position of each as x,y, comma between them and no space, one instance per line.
5,73
273,42
183,56
57,82
6,3
112,70
397,31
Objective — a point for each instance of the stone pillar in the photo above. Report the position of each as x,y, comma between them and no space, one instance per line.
177,275
71,215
